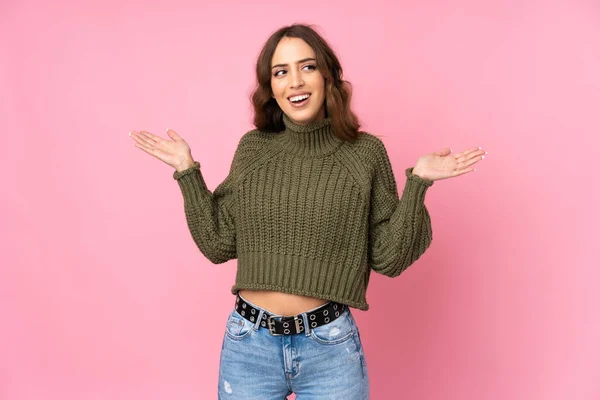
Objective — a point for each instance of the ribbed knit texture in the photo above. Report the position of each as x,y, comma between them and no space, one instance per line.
305,212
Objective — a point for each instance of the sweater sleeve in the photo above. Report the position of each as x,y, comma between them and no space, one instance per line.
399,228
210,216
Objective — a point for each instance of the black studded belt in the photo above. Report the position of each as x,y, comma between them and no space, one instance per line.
289,325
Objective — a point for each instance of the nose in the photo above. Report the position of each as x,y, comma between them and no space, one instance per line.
296,79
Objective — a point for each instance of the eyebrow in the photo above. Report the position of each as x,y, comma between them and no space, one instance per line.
299,61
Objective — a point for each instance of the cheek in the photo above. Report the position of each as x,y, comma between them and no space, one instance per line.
323,93
277,88
321,84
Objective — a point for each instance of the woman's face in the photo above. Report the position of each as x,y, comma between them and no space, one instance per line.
294,76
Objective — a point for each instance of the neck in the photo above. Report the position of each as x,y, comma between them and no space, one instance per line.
313,139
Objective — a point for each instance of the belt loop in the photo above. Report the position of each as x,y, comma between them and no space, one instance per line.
306,324
258,319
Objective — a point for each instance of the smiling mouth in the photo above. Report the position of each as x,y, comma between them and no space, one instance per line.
299,100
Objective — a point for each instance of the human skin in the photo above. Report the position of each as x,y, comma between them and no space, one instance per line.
294,72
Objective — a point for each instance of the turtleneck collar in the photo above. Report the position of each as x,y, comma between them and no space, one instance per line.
314,139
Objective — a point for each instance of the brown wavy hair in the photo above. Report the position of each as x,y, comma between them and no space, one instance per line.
268,116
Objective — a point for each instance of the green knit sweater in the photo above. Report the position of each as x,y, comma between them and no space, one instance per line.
305,212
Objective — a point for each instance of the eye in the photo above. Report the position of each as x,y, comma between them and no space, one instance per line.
277,72
310,66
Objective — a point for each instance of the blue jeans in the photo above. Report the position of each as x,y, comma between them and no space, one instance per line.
326,362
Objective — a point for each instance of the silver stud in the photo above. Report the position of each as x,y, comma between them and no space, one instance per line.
286,331
286,324
252,319
264,316
244,305
313,324
253,311
337,313
243,312
300,329
263,323
335,306
300,321
326,319
325,312
312,317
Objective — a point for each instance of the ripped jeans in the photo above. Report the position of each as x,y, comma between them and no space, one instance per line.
326,362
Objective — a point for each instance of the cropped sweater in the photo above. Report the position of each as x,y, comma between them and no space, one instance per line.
308,213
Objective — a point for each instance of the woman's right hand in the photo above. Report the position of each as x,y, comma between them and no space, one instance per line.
175,153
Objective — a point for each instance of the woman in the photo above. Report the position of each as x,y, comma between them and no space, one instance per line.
309,208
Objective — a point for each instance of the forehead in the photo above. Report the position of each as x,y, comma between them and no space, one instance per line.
290,50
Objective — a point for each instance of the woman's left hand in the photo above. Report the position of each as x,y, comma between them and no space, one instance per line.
445,164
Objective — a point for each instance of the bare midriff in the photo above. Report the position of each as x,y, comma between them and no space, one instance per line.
281,303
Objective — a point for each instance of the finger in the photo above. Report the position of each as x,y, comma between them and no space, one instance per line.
466,152
151,136
144,148
476,155
462,171
468,162
475,152
150,150
467,171
134,134
143,139
173,135
444,152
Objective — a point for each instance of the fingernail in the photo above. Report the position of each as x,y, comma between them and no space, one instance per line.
479,147
129,133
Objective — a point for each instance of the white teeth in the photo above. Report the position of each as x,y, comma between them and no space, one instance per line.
300,98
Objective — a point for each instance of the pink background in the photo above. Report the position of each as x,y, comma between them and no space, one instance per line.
103,294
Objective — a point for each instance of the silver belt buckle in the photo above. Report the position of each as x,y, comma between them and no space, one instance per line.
298,326
271,324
